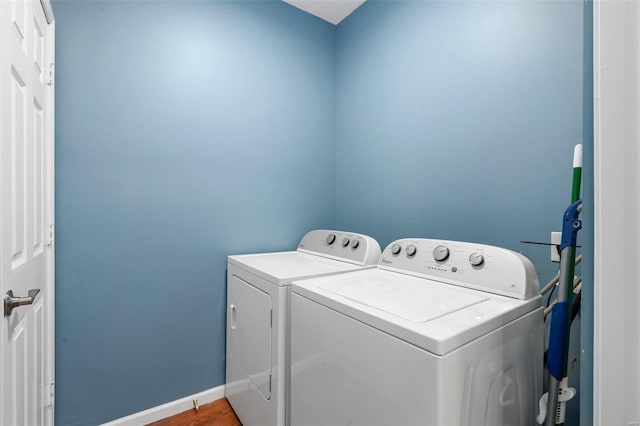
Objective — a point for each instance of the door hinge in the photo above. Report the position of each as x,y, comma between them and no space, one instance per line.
49,394
50,79
52,233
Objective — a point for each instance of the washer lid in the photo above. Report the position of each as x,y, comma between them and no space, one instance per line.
435,316
284,267
412,300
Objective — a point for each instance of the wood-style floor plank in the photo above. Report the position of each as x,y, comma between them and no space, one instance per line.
217,413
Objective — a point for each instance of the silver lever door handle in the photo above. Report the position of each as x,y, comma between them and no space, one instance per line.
10,302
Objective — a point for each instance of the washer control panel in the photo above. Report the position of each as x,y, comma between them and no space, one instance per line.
481,267
346,246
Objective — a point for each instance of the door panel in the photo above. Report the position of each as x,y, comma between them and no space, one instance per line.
251,333
18,19
38,175
39,361
38,50
18,121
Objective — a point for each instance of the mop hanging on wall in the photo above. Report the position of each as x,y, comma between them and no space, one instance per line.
553,403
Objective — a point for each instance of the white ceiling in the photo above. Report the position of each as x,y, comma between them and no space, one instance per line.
332,11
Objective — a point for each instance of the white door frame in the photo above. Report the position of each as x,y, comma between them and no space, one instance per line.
616,371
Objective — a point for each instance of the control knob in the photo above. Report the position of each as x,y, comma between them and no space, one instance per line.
476,259
355,244
345,242
331,238
411,250
395,249
441,253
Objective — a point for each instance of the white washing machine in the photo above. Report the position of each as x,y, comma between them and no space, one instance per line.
257,370
441,333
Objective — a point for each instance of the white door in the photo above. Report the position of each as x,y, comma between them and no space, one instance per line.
26,212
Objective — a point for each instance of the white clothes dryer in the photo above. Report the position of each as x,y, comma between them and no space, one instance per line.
258,317
441,333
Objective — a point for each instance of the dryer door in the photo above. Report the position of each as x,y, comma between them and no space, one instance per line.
249,333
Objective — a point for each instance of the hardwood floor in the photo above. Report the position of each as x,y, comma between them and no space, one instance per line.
217,413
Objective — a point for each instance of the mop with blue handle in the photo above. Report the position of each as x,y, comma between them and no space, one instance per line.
557,360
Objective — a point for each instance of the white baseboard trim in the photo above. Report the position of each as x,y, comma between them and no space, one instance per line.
169,409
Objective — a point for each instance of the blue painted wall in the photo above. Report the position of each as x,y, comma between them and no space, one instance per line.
458,119
586,313
185,131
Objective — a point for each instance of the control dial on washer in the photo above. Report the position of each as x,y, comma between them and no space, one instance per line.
331,238
345,242
395,249
355,244
411,250
476,259
441,253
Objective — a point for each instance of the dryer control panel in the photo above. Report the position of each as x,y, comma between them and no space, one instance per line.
477,266
346,246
